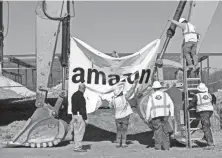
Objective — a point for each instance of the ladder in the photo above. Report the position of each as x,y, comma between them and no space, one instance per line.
192,84
190,88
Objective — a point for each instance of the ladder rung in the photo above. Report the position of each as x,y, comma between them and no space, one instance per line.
190,89
189,84
196,138
193,118
193,129
193,79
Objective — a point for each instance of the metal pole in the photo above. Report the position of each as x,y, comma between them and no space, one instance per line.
1,35
26,77
33,80
18,73
186,103
186,97
201,71
208,70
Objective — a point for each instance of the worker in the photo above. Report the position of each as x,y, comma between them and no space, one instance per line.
203,101
79,117
159,108
191,37
115,54
123,111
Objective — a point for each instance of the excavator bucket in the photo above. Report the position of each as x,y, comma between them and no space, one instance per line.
41,130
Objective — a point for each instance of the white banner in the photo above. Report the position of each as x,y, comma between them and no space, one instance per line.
101,72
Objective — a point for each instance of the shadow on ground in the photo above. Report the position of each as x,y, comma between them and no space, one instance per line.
96,134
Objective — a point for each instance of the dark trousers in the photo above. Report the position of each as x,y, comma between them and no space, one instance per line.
205,121
162,131
122,127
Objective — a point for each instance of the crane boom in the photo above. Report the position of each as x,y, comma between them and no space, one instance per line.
170,33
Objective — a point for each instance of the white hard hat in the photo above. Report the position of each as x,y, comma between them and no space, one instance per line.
202,87
182,20
118,90
156,84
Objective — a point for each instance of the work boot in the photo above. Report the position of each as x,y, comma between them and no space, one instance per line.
190,67
196,68
118,146
204,138
209,147
116,141
158,148
124,145
80,150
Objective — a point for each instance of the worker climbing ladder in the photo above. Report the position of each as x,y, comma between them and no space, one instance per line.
191,81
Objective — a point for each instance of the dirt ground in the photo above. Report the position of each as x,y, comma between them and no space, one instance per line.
106,149
100,133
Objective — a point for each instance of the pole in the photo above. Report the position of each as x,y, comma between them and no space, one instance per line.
185,99
189,145
1,36
18,72
201,71
208,70
26,77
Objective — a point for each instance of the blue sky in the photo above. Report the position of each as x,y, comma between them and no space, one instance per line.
107,26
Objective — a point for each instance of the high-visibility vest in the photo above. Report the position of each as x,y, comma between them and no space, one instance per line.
190,33
159,105
204,102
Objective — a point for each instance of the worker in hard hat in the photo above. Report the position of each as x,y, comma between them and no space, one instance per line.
160,106
203,101
191,37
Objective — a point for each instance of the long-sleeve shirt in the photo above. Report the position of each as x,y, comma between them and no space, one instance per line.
157,103
194,101
79,104
122,107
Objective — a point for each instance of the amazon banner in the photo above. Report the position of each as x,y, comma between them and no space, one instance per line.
101,72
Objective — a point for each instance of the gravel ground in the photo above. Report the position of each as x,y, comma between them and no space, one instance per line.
98,140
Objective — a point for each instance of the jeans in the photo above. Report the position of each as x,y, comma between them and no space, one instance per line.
205,121
162,130
122,127
189,50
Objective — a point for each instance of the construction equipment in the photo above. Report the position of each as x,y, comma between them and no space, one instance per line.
44,129
170,33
